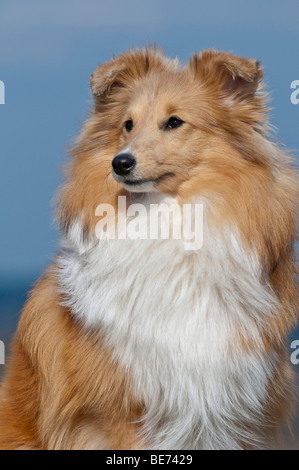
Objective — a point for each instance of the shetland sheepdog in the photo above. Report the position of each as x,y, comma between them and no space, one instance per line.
140,342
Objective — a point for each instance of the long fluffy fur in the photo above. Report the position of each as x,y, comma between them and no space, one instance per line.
132,344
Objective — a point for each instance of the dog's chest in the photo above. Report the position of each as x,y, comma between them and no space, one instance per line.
173,318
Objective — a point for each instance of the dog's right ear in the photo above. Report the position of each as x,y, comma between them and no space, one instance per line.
124,71
105,76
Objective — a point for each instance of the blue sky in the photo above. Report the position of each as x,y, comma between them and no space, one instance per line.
48,49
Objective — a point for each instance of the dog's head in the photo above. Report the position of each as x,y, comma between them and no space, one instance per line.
164,118
159,125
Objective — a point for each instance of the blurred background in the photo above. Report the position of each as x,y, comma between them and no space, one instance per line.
48,49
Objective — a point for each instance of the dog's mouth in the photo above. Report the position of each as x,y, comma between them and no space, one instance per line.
137,184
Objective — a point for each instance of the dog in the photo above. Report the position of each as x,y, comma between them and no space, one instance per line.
143,342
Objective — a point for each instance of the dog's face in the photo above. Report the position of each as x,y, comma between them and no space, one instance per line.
167,120
157,125
160,130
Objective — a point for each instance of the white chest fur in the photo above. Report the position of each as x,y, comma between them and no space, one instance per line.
173,318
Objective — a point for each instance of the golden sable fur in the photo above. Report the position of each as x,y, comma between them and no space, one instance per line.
64,388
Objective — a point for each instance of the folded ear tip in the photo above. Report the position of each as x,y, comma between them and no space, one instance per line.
91,80
94,83
259,71
255,71
100,79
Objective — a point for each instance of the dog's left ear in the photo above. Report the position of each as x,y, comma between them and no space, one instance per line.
235,78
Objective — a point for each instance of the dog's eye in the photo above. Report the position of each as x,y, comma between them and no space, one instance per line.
129,125
173,123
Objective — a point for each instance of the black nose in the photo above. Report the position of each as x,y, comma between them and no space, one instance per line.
123,164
